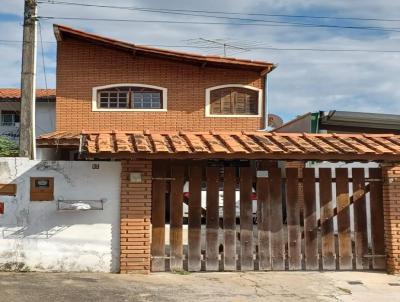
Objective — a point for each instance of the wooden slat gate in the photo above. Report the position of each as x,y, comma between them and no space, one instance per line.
254,216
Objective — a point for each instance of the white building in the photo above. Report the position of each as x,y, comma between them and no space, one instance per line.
10,114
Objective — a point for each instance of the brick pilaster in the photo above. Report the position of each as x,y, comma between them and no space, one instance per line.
391,208
135,218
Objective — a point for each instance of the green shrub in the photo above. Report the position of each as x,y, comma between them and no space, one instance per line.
8,148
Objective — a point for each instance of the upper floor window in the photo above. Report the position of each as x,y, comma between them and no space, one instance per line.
9,118
130,97
233,100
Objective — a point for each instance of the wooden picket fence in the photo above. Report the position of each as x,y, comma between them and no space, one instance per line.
303,221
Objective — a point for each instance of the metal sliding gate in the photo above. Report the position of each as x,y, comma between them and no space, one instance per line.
227,216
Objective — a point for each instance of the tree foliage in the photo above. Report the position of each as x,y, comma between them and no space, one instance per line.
8,147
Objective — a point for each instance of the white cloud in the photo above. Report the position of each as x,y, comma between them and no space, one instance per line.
303,81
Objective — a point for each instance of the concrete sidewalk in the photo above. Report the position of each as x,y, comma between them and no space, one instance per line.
234,287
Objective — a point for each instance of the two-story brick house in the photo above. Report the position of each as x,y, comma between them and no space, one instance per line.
178,120
103,84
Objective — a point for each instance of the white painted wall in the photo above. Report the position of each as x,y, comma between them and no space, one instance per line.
36,236
45,117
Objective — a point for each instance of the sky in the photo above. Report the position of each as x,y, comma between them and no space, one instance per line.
304,81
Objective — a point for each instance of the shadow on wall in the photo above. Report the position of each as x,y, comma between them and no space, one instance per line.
41,237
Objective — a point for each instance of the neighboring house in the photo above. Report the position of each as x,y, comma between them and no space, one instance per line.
342,122
10,99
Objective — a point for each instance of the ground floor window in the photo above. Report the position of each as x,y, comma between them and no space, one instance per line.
9,118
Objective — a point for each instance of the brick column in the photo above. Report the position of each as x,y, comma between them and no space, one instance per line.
391,210
135,218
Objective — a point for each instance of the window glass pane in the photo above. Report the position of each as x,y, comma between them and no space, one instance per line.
156,105
146,96
147,104
123,104
9,118
147,100
155,96
122,97
6,120
103,103
114,98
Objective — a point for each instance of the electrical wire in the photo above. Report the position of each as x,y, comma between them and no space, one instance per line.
45,79
160,11
276,23
264,48
219,12
43,59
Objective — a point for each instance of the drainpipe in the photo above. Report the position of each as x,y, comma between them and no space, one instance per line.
266,105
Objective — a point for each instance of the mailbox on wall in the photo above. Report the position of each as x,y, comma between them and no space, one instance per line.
1,208
42,188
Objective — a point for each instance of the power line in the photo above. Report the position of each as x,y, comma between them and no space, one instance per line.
270,48
183,12
219,12
20,41
43,60
276,23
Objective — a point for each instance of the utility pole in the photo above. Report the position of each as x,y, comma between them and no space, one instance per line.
27,139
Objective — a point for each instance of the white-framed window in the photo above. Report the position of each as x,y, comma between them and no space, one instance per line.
129,97
9,118
233,100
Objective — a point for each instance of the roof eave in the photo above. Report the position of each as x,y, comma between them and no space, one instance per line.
262,67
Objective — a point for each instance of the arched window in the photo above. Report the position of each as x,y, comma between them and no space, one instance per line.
233,100
129,97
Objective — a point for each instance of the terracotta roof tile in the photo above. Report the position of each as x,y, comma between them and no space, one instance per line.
253,145
159,143
15,94
321,145
383,141
261,66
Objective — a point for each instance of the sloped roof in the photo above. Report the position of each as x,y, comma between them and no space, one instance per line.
61,31
15,94
230,145
363,120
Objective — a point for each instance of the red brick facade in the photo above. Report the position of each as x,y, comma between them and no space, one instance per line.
391,206
82,65
135,218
